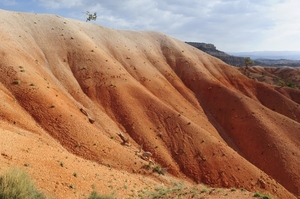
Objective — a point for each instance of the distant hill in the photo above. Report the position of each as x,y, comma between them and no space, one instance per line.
272,58
261,58
277,62
212,50
274,55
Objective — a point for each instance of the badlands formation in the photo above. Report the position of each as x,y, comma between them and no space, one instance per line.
69,88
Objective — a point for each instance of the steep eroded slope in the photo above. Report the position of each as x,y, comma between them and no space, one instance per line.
83,84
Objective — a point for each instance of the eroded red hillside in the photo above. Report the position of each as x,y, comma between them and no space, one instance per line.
74,86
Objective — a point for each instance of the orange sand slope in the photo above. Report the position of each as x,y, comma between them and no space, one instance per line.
72,86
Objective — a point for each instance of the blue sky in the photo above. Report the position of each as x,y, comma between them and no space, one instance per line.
231,25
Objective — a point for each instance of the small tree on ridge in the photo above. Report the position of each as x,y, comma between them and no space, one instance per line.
91,16
248,61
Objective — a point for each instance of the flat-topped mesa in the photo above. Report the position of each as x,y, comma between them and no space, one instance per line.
203,46
212,50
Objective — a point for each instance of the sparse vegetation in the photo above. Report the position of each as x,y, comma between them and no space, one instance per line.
95,195
179,190
16,81
233,189
262,196
248,61
291,84
203,190
27,165
282,78
78,144
18,185
158,169
91,16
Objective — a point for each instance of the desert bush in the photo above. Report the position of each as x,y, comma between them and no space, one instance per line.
16,81
94,195
16,184
158,169
262,196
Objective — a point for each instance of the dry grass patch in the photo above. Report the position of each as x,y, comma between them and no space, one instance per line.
18,185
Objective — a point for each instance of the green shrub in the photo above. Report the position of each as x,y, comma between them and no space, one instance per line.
158,169
94,195
16,81
262,196
16,184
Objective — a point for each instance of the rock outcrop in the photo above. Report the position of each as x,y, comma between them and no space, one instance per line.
212,50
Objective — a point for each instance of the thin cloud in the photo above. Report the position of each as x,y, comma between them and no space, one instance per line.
8,2
232,25
60,4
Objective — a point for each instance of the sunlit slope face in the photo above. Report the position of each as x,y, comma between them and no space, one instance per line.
82,84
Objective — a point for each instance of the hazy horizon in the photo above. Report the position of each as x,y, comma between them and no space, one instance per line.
275,55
